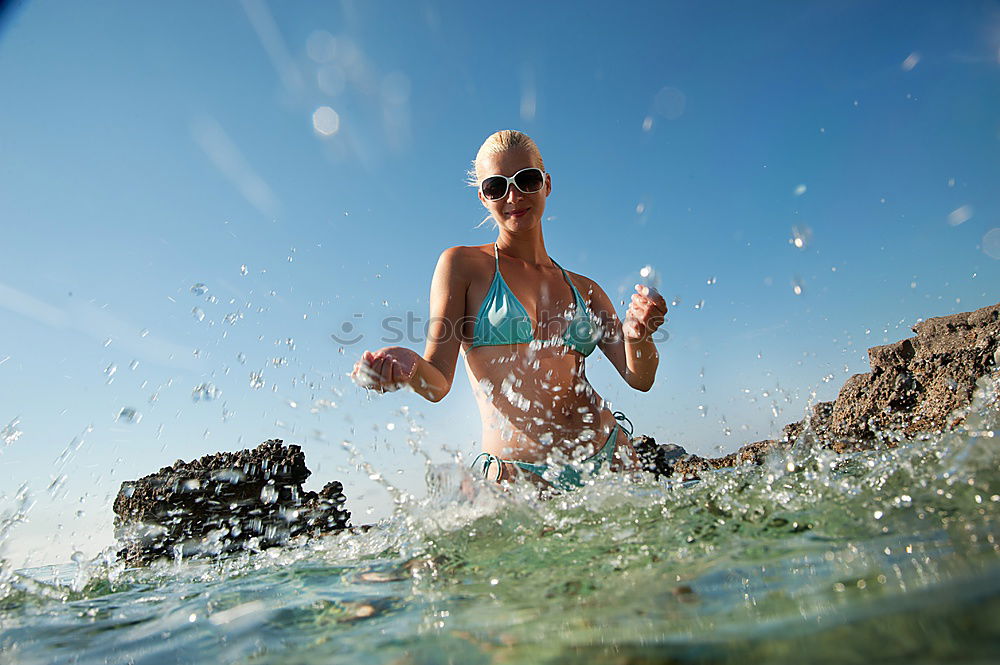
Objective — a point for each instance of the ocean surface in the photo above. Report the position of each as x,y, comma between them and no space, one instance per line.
886,556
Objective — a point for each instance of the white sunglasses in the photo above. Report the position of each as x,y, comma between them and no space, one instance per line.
528,181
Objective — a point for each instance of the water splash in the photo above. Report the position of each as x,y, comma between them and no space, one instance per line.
11,432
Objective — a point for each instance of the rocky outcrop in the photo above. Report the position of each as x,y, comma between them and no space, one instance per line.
658,459
224,502
916,385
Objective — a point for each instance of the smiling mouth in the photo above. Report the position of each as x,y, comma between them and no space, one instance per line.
519,213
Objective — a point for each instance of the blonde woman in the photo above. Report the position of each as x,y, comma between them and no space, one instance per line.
526,326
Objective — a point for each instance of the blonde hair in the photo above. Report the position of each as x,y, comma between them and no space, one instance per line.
505,139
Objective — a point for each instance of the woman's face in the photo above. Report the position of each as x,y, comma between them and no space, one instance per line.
516,211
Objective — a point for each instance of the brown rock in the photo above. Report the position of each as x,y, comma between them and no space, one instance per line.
916,385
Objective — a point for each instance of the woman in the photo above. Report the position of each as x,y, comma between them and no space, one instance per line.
525,326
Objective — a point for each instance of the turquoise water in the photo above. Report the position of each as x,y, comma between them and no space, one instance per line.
882,556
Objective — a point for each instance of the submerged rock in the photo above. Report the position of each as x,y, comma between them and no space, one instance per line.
917,385
224,502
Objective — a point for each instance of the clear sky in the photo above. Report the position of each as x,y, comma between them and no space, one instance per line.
195,196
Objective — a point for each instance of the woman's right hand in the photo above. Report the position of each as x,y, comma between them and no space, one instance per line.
385,370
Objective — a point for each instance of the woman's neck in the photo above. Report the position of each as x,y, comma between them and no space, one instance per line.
529,248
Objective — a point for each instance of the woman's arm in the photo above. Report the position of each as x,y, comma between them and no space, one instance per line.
429,375
630,346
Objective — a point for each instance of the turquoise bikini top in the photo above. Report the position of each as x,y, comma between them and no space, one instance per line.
502,319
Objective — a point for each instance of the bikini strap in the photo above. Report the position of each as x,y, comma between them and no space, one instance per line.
619,416
490,459
576,292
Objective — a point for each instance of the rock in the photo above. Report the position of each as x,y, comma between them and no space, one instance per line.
916,385
657,459
224,502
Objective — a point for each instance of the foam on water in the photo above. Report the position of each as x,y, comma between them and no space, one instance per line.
885,555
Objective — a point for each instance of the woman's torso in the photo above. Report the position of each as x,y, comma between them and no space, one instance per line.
533,398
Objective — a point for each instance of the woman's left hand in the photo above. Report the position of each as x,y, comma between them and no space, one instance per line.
645,313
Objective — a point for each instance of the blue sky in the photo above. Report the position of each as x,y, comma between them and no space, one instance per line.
148,148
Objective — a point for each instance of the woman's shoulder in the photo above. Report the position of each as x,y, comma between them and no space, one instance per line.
585,285
466,258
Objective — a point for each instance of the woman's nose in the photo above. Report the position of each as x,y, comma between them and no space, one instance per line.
513,193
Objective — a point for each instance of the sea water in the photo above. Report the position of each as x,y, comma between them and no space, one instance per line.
889,555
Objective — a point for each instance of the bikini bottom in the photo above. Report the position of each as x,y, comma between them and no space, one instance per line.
569,477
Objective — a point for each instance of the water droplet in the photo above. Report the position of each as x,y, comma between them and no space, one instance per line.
128,415
676,300
385,303
951,182
257,380
700,304
340,350
960,215
111,370
710,281
640,208
144,332
800,190
243,270
991,243
647,123
78,557
268,494
107,342
801,235
198,313
326,121
670,103
910,62
205,392
290,343
279,362
199,289
390,426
